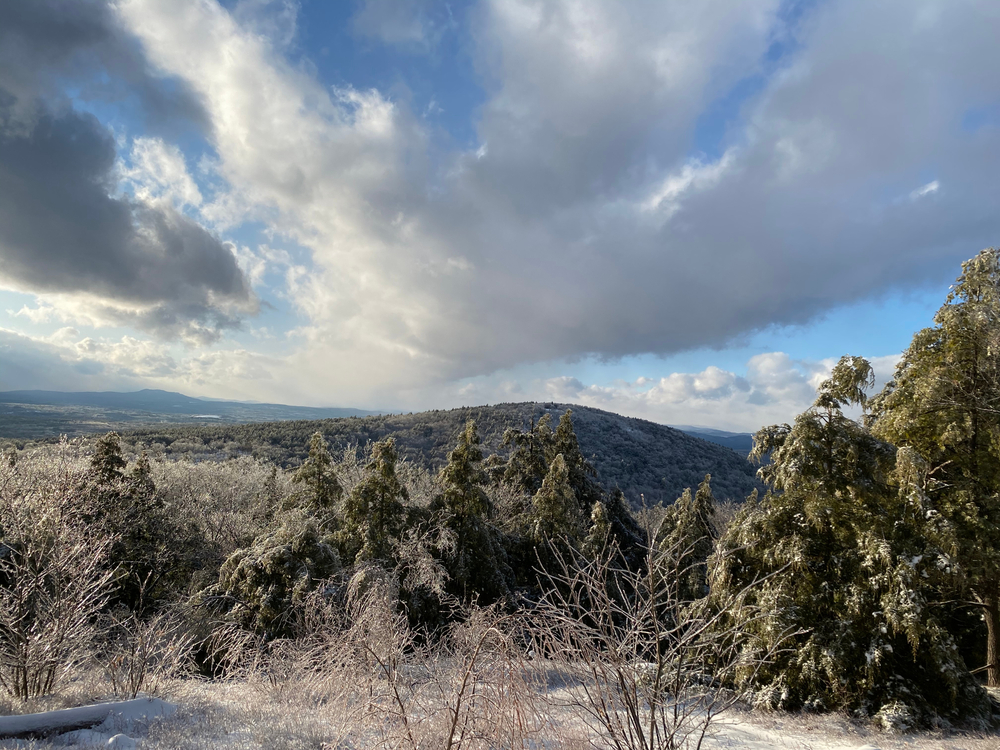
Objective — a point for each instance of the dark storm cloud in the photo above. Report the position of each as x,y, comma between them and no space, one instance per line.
61,230
46,43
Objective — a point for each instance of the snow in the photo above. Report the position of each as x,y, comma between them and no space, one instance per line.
101,725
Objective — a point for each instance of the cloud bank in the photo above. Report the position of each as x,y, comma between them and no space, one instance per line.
672,177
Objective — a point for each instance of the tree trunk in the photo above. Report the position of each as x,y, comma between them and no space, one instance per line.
991,608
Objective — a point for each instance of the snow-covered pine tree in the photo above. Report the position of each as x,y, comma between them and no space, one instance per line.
374,511
944,404
690,538
321,489
259,585
554,507
529,459
476,562
836,566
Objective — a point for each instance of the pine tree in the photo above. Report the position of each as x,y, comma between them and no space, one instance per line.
944,404
107,463
529,460
625,531
152,553
141,477
374,511
476,563
260,585
582,476
691,539
555,514
321,490
839,562
596,541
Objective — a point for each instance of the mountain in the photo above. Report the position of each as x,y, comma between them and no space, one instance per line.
741,442
649,462
39,414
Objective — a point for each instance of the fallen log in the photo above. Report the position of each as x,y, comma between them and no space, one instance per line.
68,719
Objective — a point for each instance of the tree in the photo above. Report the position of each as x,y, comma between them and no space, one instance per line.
374,511
529,460
261,584
839,556
944,403
582,476
151,551
321,488
554,508
691,535
596,540
476,562
107,463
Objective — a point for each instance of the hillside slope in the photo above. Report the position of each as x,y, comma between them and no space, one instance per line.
649,462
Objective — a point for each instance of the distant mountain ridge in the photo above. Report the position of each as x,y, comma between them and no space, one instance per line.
741,442
30,414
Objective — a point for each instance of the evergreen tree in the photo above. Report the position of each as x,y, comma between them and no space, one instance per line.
141,477
107,463
529,460
152,553
555,513
597,537
691,538
582,476
374,511
837,567
944,404
625,530
321,488
269,499
476,562
260,585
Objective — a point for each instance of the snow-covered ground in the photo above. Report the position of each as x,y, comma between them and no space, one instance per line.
247,716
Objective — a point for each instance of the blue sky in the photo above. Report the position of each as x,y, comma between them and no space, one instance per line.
681,211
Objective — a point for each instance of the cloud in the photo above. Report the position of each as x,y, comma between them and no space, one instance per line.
158,172
277,20
27,363
45,44
920,192
585,220
413,24
130,262
70,361
775,388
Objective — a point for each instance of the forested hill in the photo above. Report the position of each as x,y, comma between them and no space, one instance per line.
642,458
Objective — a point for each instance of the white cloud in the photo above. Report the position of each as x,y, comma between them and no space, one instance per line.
666,198
157,172
774,388
591,113
920,192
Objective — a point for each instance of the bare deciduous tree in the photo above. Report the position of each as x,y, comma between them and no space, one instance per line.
644,668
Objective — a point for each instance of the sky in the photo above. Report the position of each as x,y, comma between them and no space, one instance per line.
683,211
